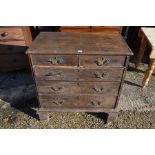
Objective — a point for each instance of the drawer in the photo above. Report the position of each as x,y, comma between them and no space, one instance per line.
55,60
101,61
108,74
11,36
77,101
11,49
13,62
52,87
75,28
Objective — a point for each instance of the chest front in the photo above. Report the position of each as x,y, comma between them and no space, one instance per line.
78,71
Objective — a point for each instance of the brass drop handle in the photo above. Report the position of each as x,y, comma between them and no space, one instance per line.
53,74
99,75
58,102
99,90
4,34
102,61
55,60
56,88
96,103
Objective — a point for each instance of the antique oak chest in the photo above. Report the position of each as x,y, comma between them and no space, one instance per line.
80,72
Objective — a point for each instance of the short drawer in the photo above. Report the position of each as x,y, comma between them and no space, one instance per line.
52,87
101,61
108,74
77,101
55,60
11,36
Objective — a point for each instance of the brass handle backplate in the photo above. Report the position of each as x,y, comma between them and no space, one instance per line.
102,61
58,102
96,103
59,88
55,60
99,75
99,90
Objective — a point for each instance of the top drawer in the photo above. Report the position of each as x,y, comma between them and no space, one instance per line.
55,60
10,35
100,61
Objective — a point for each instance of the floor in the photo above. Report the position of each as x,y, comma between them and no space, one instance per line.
18,100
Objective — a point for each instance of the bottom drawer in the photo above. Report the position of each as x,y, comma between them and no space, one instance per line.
79,102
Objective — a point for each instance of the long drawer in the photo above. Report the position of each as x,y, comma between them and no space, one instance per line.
108,74
77,101
52,87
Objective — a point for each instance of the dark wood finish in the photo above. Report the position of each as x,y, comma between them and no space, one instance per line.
55,60
52,87
143,43
133,37
77,101
122,79
90,77
17,61
106,74
106,29
101,61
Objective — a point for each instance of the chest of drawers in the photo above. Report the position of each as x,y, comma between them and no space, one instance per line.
14,41
78,71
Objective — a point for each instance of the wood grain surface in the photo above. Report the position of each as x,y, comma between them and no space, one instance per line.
57,74
52,87
79,43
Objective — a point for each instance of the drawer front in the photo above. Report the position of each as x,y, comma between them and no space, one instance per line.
101,61
13,62
51,87
109,74
11,36
55,60
74,28
83,101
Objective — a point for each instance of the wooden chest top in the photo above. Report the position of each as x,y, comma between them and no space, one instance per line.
79,43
